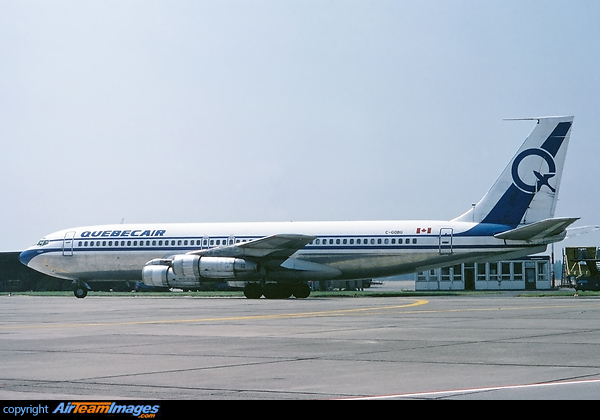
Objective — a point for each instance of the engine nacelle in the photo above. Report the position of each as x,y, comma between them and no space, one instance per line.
212,267
162,276
190,270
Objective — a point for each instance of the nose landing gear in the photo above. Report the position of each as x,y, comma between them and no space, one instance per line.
80,289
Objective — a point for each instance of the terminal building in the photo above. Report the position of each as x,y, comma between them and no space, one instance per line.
529,273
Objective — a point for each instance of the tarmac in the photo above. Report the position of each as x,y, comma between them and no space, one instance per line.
493,346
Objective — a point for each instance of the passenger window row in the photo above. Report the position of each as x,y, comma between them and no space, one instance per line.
363,241
211,242
205,242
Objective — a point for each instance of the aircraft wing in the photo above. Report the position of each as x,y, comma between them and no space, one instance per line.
279,246
538,230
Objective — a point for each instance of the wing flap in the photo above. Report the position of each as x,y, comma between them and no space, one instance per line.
310,270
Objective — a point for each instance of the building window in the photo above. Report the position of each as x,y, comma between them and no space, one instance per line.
457,273
493,271
505,275
481,271
518,271
542,275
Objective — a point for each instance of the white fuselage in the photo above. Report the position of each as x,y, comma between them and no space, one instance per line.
355,250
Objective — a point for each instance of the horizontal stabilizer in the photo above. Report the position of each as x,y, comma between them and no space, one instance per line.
538,230
581,230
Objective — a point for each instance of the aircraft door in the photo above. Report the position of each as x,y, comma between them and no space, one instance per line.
446,240
68,244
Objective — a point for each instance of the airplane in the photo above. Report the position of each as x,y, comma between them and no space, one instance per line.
278,259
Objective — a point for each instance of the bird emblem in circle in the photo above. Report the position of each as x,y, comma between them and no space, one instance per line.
540,179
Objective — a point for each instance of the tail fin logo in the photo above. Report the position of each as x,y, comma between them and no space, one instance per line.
539,179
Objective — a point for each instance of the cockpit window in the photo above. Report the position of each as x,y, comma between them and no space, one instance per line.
43,242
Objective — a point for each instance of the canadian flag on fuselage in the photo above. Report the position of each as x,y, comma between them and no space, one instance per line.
423,230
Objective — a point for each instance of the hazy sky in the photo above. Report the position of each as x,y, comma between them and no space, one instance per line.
209,111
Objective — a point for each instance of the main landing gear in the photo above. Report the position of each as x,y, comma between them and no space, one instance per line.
276,290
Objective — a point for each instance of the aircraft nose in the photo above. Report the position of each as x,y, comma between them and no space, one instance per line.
27,256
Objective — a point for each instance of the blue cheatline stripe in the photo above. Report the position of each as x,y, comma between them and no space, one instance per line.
26,256
480,230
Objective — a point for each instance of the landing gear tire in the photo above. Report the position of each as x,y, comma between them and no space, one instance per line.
253,291
272,291
277,291
301,290
80,292
286,291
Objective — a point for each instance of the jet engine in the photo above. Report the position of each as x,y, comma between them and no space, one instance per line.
191,270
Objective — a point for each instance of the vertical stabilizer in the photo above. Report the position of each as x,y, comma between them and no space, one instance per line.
527,190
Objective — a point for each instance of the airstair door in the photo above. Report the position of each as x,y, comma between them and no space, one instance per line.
68,244
446,240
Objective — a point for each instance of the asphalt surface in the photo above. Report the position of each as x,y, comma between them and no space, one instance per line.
435,347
